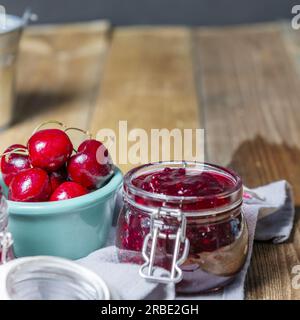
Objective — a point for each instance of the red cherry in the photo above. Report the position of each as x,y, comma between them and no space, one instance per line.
30,185
57,178
68,190
93,146
91,166
13,163
49,149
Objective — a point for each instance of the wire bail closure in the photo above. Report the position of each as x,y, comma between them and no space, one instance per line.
157,226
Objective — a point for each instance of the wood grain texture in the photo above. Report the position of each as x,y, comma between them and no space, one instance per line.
148,81
58,77
250,93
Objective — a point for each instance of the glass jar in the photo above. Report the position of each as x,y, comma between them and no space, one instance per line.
187,218
6,241
49,278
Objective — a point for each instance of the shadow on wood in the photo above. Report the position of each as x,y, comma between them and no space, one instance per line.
36,103
260,162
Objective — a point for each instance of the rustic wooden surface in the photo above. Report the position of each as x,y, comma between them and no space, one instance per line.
239,83
149,88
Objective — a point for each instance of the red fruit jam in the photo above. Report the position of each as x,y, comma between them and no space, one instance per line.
209,197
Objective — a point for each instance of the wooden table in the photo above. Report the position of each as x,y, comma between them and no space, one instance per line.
242,84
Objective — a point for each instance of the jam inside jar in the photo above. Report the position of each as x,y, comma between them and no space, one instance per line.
208,198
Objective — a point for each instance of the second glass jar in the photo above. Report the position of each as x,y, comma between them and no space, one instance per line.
6,241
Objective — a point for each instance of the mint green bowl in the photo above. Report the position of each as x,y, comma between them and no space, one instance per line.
71,229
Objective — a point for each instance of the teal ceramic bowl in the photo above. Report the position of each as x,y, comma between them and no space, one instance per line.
71,229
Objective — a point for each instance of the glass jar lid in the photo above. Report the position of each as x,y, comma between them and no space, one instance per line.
50,278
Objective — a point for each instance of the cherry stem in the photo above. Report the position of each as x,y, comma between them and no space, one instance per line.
20,151
48,122
87,133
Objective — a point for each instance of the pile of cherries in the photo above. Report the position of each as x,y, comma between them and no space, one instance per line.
49,169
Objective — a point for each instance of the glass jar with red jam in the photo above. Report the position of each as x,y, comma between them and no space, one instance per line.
185,217
6,242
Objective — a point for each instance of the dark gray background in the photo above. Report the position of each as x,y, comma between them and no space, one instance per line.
128,12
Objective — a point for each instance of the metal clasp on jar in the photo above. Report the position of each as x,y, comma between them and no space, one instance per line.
157,226
6,243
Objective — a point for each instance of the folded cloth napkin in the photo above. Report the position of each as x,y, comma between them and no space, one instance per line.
269,211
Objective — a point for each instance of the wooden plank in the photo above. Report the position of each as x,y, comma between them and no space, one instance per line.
58,77
148,81
250,94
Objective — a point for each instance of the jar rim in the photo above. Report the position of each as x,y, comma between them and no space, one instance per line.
20,270
230,174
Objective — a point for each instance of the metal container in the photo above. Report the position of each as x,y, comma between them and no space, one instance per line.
11,28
